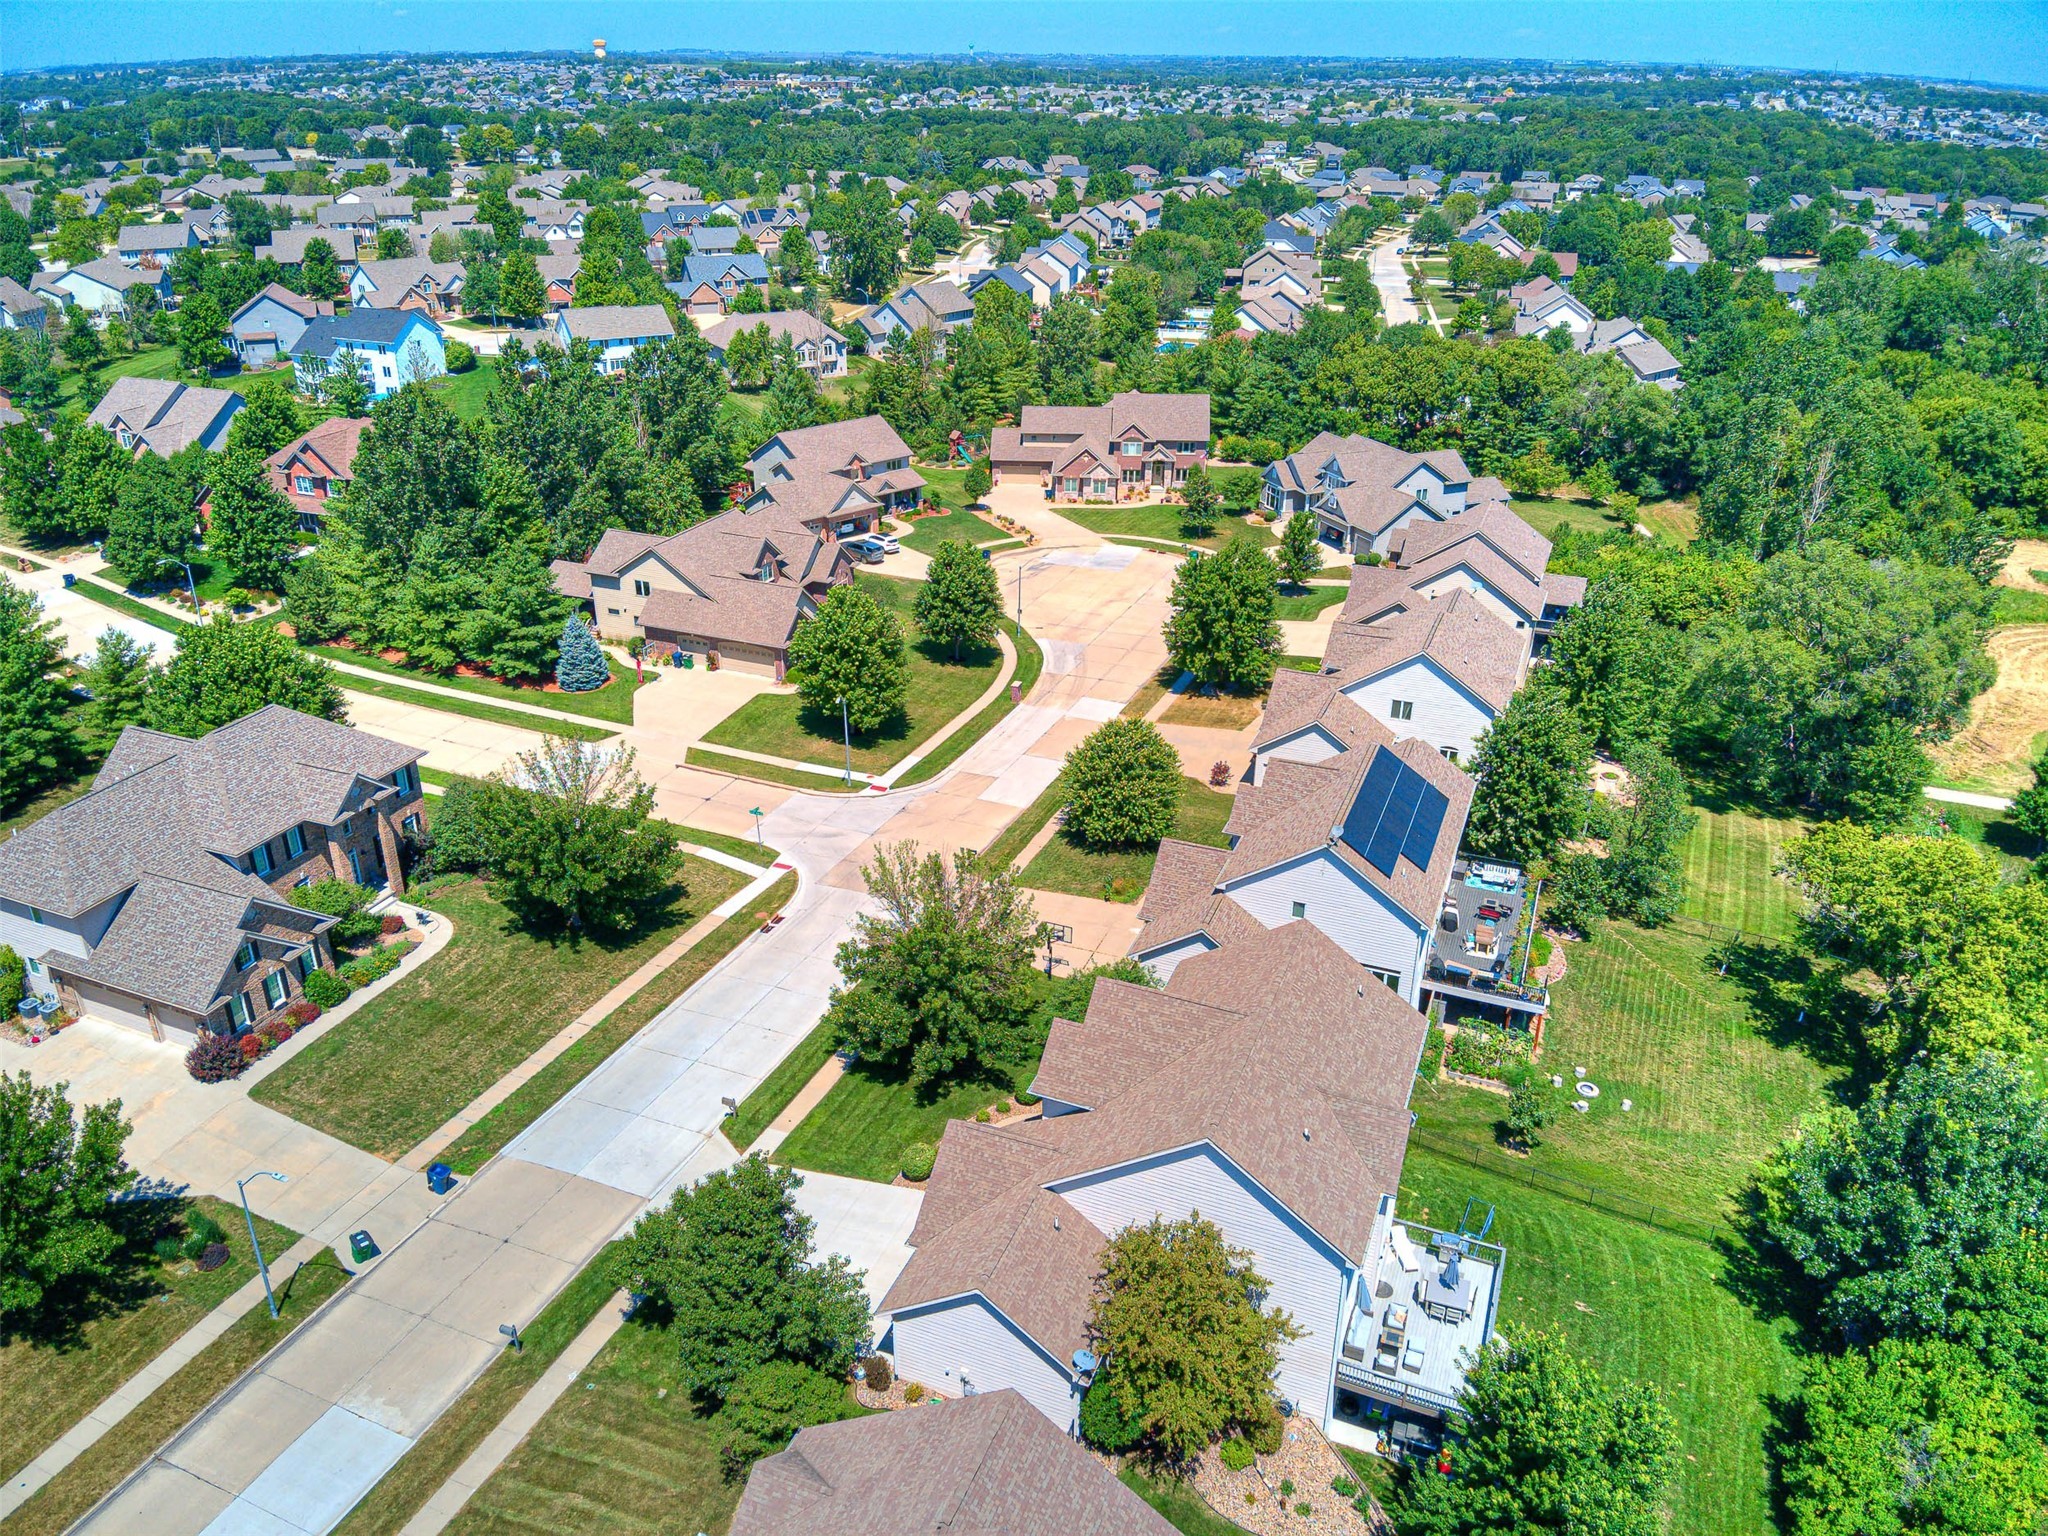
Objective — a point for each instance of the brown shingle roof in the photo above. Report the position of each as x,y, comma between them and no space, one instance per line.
1460,634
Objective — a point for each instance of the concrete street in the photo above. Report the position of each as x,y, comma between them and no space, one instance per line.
293,1446
1391,279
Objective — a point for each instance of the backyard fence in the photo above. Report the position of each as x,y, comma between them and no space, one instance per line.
1593,1196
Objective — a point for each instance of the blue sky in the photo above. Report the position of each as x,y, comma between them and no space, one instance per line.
2003,41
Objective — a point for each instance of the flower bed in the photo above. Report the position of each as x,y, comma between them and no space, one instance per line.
1271,1494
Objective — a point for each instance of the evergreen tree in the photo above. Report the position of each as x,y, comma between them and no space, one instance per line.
1223,626
517,629
312,602
223,670
1066,352
118,678
793,399
851,649
37,745
1300,554
151,522
319,271
580,663
251,526
960,603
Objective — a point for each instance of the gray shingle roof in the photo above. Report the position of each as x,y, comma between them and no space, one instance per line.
162,414
616,322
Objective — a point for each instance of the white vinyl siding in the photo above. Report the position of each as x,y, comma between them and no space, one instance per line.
1161,962
968,1344
1462,578
1441,710
1313,745
53,935
1303,1276
1362,920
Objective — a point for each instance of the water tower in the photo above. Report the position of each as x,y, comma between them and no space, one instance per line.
597,47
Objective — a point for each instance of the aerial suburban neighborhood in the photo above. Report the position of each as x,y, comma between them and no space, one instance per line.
883,786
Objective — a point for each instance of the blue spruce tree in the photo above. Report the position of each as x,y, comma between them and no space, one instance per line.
581,665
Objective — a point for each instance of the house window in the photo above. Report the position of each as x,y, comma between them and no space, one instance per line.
245,956
1391,978
1401,709
613,612
305,964
642,588
294,842
34,915
35,966
238,1011
303,484
274,988
261,858
1301,909
355,865
1450,754
411,824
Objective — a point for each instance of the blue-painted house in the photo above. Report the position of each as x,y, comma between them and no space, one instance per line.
392,348
265,329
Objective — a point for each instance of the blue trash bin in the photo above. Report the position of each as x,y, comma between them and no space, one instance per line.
440,1178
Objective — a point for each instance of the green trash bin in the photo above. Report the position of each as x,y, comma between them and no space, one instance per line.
362,1247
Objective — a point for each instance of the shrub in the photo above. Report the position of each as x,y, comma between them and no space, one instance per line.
461,356
390,923
1304,1509
251,1046
880,1374
1528,1112
169,1250
982,1117
766,1408
304,1011
1002,1106
914,1392
13,979
1236,1453
1027,1099
1122,785
201,1233
918,1158
1104,1424
324,989
238,597
1343,1487
214,1058
1219,773
1286,1487
1268,1432
274,1031
374,966
343,900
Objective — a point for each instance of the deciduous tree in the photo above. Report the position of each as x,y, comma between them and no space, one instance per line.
151,522
223,670
850,649
1533,766
959,604
1123,785
1300,555
37,744
250,525
1223,626
60,1171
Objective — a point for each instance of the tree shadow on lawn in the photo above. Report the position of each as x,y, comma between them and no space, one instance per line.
135,1280
543,926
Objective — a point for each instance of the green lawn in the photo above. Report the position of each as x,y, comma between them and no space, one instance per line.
1987,829
1030,662
1064,864
1731,860
720,842
2013,605
47,1384
394,1072
1159,521
99,1469
465,393
759,1108
114,598
954,527
149,363
1013,839
622,1452
1310,602
15,814
1643,1304
862,1126
747,768
614,701
420,1472
471,709
1185,1510
937,691
527,1103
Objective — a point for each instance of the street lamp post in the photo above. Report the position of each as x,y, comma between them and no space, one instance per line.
846,731
262,1268
191,586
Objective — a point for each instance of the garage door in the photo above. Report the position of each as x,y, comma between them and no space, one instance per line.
98,1002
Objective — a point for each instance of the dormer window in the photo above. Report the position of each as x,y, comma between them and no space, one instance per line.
766,572
245,956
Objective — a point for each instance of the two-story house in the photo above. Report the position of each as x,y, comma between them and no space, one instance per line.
733,587
1488,552
708,285
1442,673
100,287
407,282
1136,446
1362,492
810,468
613,331
315,467
1541,305
936,306
158,900
155,244
1264,1088
389,348
820,350
163,416
264,330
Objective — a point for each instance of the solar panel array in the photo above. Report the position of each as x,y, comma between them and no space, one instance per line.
1396,814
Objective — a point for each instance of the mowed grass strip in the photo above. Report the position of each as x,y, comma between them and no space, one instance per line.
1162,522
759,1108
1731,879
49,1383
64,1500
1642,1304
1030,662
770,773
473,709
614,701
622,1452
537,1094
937,690
391,1074
1069,866
403,1491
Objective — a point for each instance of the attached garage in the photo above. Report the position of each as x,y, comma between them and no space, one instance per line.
103,1002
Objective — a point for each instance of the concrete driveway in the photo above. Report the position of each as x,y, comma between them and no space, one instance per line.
80,620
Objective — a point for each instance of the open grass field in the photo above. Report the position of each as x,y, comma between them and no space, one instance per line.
937,690
2008,728
149,363
1644,1304
534,1097
622,1452
473,709
47,1384
1065,864
1731,860
958,526
419,1474
465,393
1162,522
64,1500
394,1072
614,701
